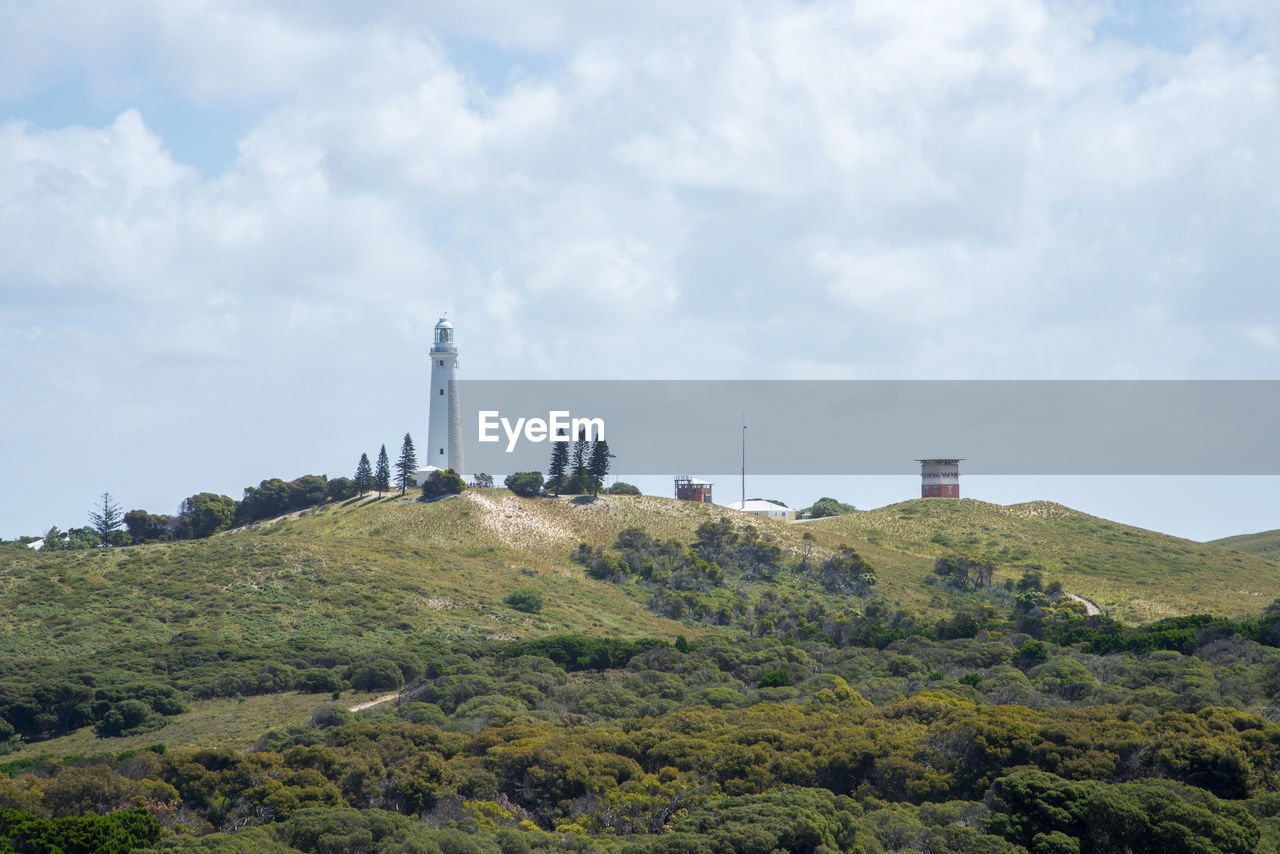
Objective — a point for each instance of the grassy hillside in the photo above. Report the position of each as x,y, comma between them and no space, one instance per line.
1265,544
1137,575
343,583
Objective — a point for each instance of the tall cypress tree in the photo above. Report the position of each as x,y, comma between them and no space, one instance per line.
598,465
364,475
382,474
406,465
559,462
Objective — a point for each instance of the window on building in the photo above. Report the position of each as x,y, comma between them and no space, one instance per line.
442,392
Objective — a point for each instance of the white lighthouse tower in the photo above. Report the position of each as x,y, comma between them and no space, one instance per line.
444,429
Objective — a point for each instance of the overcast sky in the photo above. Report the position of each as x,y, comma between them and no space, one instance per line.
226,229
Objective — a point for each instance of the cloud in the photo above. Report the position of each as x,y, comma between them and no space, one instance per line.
760,189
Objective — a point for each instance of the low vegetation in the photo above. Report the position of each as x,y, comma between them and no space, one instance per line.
630,674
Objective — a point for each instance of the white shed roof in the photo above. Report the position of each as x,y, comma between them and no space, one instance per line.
757,505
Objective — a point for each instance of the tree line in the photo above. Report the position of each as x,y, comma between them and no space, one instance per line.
206,513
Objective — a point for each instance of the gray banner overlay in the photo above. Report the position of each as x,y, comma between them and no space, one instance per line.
881,427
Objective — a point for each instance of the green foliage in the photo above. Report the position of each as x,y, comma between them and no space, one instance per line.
799,821
118,833
1045,813
526,484
846,572
963,572
776,678
205,514
524,599
107,519
442,483
144,527
363,479
621,487
558,468
340,488
598,464
382,472
406,464
825,507
379,674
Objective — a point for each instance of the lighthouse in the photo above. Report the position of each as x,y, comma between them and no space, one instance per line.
444,427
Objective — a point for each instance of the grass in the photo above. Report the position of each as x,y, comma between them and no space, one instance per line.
1135,574
363,576
234,723
1265,544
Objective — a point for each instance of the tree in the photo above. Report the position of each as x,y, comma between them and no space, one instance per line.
146,527
598,464
623,488
205,514
581,451
382,474
107,520
846,572
364,475
526,484
340,488
406,465
559,463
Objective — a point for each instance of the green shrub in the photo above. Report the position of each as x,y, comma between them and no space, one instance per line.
623,488
527,484
318,681
442,483
379,674
524,599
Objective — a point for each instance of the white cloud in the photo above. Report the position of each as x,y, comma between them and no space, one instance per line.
692,180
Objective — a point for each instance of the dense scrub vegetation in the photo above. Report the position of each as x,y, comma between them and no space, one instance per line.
807,714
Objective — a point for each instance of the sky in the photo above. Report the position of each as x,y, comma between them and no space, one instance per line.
227,229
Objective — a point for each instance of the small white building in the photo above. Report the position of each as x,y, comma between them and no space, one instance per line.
764,509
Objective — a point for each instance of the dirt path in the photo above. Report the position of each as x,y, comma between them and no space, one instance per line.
1090,609
360,707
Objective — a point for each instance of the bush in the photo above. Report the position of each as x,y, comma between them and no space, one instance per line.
380,674
825,507
526,484
524,599
441,483
623,488
777,678
318,681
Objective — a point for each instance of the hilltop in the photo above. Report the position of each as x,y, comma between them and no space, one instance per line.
1135,574
1265,544
351,587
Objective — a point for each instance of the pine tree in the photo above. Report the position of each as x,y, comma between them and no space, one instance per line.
382,474
581,451
598,464
406,465
559,463
364,475
108,519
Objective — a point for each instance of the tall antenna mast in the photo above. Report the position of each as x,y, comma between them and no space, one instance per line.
744,461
